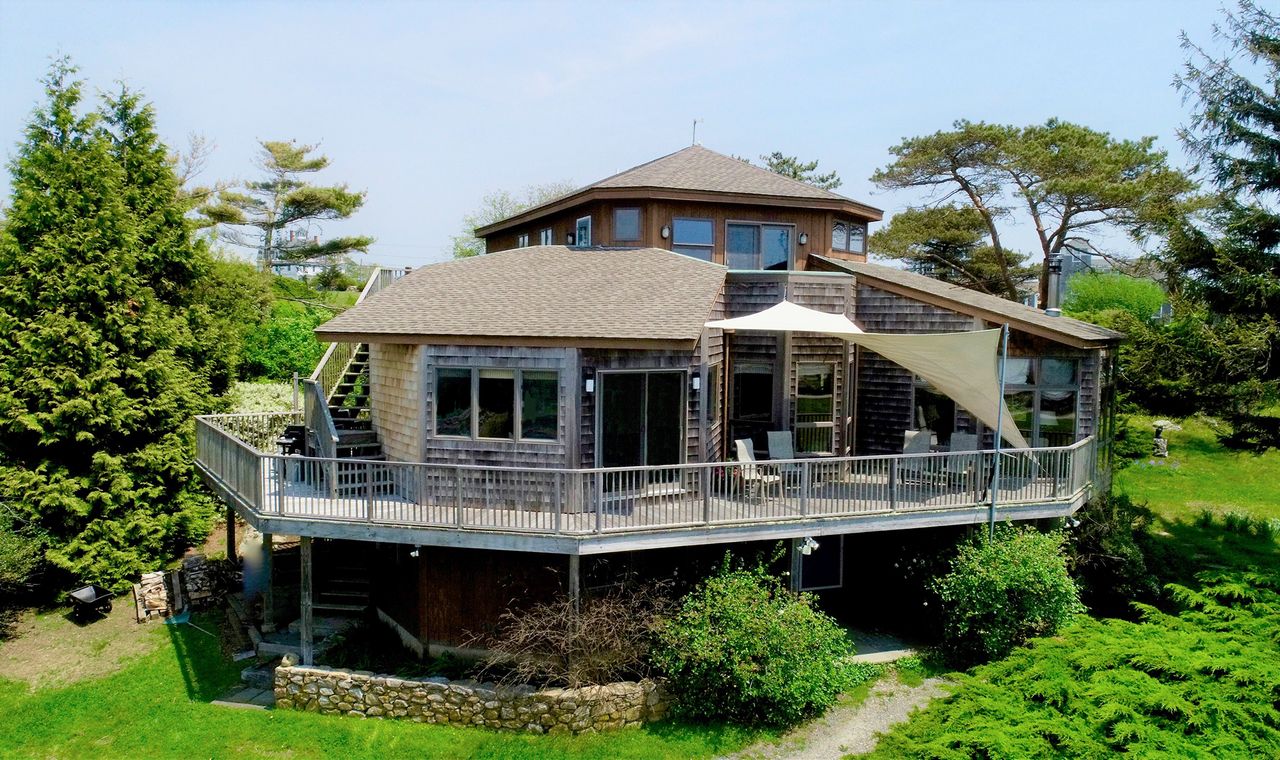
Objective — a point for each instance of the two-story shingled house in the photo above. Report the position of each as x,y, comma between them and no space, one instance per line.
492,430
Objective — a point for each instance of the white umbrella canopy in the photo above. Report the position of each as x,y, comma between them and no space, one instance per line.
965,365
789,317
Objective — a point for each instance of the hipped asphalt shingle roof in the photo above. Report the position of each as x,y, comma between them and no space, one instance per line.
551,292
696,169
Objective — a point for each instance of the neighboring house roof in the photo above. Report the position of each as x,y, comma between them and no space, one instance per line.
696,172
968,301
542,295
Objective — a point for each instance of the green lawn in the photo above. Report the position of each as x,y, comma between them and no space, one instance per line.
1200,474
157,706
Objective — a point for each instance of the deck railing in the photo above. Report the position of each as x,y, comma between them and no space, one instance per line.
633,499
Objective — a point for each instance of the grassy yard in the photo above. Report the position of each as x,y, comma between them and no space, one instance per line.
1200,474
157,705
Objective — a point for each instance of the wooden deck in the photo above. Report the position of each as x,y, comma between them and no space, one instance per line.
586,511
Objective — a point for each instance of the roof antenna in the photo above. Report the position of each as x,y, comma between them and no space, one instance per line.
695,131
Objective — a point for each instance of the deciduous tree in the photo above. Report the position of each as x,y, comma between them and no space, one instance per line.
498,205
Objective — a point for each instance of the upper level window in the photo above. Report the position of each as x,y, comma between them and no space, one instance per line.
582,231
626,225
522,241
693,237
544,236
757,246
848,236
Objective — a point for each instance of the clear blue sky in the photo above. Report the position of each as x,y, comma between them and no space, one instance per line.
428,106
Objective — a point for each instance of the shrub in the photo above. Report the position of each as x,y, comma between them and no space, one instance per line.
603,639
1003,590
284,344
743,648
1108,549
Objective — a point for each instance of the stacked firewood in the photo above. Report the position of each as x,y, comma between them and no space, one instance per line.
152,597
207,582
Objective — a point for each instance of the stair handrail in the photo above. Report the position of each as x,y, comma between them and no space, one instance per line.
337,357
319,421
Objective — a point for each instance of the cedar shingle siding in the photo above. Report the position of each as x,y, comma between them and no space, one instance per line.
395,395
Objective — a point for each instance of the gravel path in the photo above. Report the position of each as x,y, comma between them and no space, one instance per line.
850,730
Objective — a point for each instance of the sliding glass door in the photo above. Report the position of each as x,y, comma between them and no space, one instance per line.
642,417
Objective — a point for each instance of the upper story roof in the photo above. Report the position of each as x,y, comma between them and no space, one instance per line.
984,305
542,295
696,173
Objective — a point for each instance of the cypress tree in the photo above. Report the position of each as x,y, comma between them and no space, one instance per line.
98,375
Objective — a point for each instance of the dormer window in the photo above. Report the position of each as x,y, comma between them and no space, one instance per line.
582,231
849,236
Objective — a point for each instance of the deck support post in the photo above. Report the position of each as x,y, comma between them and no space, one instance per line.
796,557
305,623
231,534
575,581
268,593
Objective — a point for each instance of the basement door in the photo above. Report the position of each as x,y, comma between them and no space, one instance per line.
641,424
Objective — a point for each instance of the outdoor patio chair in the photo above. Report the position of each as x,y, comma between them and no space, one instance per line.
959,467
754,477
781,446
914,470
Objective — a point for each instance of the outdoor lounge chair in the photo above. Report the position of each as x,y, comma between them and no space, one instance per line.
754,477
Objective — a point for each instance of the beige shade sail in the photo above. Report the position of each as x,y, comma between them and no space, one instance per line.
965,366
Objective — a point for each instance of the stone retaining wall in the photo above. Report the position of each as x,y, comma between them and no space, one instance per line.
331,691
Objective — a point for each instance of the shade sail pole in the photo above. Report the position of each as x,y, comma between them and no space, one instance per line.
995,468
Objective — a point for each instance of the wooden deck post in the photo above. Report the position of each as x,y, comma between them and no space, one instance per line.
796,559
575,581
268,600
305,623
231,534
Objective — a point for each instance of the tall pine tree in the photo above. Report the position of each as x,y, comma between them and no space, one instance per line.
98,363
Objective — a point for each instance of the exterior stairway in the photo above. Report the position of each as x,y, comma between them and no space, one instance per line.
357,440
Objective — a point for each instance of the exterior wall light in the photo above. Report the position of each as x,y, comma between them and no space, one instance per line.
697,382
590,385
568,238
804,238
666,231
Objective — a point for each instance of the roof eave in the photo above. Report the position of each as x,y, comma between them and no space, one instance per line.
589,194
540,341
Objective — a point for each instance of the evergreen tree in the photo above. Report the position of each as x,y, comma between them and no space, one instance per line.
278,209
1229,258
804,171
97,386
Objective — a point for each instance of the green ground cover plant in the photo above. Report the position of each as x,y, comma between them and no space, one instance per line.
1203,681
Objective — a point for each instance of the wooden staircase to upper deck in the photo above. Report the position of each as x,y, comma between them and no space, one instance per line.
339,391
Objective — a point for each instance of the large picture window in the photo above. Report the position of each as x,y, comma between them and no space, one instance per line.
1042,395
693,237
497,404
815,408
757,246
